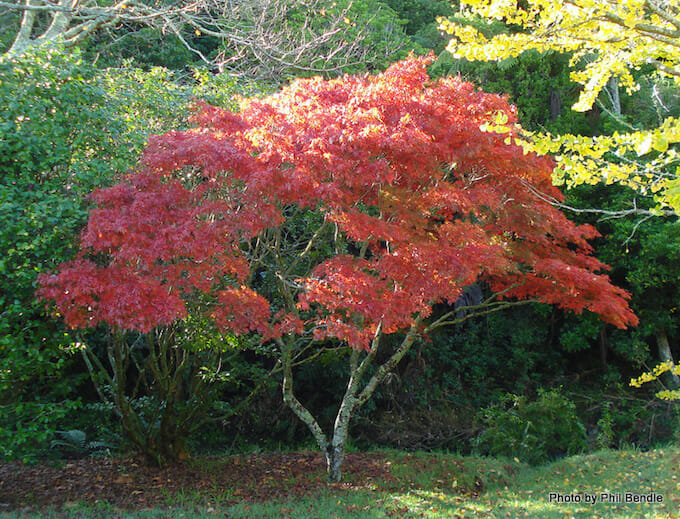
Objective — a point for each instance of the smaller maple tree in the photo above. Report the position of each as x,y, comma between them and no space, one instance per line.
331,214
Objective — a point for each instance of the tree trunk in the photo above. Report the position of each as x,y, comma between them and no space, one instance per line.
555,104
334,458
23,37
614,95
335,452
604,346
356,394
671,380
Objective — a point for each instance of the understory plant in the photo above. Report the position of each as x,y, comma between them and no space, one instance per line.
534,431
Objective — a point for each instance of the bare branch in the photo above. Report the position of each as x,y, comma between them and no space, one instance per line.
260,38
36,5
664,11
606,214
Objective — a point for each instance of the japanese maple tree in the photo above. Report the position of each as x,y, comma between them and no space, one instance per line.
329,215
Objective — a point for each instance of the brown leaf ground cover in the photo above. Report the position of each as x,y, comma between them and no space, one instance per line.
130,484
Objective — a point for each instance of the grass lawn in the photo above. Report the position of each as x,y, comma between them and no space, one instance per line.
397,484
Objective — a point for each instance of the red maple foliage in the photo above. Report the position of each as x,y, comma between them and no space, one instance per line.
424,201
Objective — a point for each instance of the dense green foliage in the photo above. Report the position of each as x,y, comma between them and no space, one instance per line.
420,21
58,138
535,431
38,227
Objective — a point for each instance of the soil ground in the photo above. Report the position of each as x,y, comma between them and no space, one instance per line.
131,484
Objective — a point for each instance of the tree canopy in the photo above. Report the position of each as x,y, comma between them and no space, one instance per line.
398,165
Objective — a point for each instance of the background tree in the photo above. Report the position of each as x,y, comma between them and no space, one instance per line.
285,39
263,38
405,202
630,45
608,44
642,253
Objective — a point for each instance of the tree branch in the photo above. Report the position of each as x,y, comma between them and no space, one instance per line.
390,364
262,38
291,400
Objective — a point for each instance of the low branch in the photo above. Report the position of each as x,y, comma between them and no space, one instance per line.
477,311
390,364
291,400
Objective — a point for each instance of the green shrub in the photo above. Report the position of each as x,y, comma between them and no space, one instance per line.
532,431
65,128
58,138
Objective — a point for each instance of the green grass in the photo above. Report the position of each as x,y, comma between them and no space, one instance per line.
442,485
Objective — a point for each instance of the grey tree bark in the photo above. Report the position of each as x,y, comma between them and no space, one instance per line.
356,394
670,379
